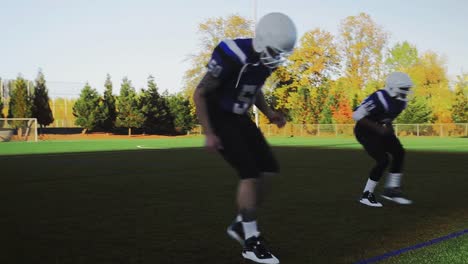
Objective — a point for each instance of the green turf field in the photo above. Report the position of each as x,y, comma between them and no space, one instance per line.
438,144
171,204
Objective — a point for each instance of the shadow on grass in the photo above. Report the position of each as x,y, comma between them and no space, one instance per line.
172,206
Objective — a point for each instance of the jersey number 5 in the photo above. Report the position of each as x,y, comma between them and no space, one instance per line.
214,68
245,99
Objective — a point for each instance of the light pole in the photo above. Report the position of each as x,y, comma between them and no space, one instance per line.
255,11
255,109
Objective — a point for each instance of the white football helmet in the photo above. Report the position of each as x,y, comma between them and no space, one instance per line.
275,37
398,85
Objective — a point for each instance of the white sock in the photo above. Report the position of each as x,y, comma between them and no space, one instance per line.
250,229
239,218
370,186
393,180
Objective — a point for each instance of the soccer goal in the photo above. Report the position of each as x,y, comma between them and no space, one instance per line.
18,129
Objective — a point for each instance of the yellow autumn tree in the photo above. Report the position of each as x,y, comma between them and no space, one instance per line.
303,87
362,42
211,32
431,82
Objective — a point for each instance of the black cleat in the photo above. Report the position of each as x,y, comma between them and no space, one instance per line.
256,251
395,194
368,199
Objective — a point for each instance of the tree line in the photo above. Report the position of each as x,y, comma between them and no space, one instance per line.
28,102
326,77
146,110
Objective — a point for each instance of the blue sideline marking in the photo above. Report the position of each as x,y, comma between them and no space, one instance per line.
418,246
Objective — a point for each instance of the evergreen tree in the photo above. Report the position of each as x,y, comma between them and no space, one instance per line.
20,101
417,112
460,106
128,113
109,114
179,106
156,110
41,106
20,105
87,109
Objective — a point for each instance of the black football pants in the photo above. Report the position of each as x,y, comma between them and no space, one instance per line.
379,148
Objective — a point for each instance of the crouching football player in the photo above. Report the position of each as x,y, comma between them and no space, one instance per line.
375,132
236,72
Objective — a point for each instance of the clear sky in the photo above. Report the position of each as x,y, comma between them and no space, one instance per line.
78,41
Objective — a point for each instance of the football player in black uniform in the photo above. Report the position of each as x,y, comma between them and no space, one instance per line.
236,73
375,132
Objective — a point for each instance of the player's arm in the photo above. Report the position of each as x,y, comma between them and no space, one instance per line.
378,128
261,104
275,117
360,116
206,85
222,65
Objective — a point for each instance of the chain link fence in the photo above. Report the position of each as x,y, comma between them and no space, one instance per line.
304,130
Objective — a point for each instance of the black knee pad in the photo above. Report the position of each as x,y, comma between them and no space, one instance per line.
383,161
379,168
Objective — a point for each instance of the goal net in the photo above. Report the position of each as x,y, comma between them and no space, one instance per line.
18,129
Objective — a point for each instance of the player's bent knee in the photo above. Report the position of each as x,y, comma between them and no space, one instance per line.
270,168
249,174
268,173
383,161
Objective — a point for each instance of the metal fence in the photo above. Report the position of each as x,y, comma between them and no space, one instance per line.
63,123
304,130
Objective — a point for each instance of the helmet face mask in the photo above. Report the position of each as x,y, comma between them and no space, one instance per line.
275,37
398,85
401,93
272,57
